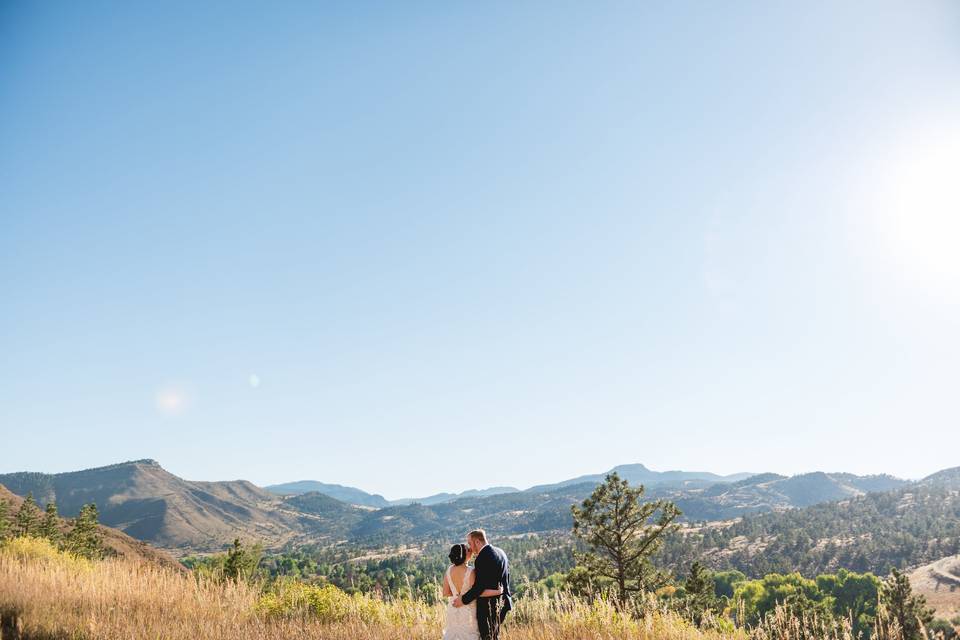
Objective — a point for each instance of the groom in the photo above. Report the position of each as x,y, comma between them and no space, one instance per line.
492,571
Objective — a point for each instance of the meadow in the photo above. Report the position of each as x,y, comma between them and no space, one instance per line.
46,594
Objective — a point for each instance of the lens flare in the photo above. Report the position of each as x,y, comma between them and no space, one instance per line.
170,401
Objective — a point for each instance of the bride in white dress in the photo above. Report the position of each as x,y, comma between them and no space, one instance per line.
461,623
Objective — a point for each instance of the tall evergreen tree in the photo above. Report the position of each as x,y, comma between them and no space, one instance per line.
27,522
242,562
84,539
901,605
50,526
700,594
4,520
622,532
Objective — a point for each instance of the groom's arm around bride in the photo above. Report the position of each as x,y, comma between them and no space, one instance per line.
491,571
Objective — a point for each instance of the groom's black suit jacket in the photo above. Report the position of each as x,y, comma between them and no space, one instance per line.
491,569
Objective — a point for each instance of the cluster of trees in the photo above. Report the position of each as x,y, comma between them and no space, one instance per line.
622,533
877,532
81,539
391,572
240,562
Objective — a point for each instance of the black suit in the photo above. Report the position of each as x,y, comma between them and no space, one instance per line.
491,571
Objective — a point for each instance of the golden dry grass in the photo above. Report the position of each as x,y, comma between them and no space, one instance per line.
59,597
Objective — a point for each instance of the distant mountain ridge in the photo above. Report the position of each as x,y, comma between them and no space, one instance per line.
640,474
633,473
151,504
440,498
773,492
350,495
910,525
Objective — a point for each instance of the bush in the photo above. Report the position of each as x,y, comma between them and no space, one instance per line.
42,551
941,629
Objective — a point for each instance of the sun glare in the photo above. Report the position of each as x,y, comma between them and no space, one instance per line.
170,401
918,209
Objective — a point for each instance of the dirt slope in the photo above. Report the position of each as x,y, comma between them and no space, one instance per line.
939,582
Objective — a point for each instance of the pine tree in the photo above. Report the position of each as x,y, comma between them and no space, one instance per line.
242,562
84,539
700,593
50,527
27,522
901,605
622,533
4,520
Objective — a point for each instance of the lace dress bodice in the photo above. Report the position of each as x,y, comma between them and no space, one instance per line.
461,623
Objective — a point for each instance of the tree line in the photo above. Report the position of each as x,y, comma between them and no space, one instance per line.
876,532
81,537
623,533
620,550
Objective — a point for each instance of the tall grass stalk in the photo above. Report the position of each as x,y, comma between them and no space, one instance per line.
57,596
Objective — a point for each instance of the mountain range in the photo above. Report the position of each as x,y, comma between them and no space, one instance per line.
359,497
149,503
903,527
633,473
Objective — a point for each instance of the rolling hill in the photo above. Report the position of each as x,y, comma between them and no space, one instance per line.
772,492
440,498
939,583
350,495
904,527
634,473
359,497
640,474
149,503
116,542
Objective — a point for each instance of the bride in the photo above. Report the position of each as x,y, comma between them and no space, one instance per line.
461,622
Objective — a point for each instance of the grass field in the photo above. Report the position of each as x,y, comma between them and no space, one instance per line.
56,596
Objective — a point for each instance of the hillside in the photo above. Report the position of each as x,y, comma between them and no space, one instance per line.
939,583
116,542
151,504
148,503
440,498
701,495
359,497
906,527
946,478
503,514
350,495
772,492
640,474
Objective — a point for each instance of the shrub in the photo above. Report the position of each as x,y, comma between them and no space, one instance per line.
28,549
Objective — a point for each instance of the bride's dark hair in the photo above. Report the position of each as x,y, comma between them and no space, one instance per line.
458,554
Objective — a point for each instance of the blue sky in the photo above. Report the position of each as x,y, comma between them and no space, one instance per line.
379,243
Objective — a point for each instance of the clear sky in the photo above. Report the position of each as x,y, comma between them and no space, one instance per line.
431,246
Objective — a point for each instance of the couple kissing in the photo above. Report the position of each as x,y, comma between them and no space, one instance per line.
478,597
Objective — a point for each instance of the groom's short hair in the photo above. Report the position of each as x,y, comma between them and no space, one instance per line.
478,534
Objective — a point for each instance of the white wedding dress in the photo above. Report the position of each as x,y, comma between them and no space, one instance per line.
462,621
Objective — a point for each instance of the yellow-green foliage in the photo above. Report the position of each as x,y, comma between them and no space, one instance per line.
328,604
41,550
